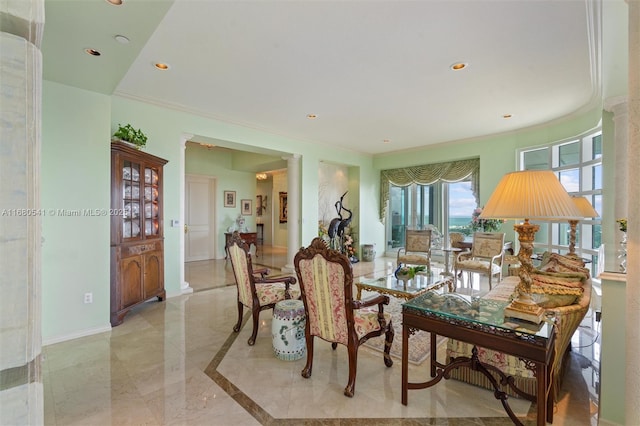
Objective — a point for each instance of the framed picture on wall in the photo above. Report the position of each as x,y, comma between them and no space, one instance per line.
246,207
229,198
283,207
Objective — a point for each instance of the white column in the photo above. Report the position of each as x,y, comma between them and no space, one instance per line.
618,106
20,132
185,288
632,385
293,211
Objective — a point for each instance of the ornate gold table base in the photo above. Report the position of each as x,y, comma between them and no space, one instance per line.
402,294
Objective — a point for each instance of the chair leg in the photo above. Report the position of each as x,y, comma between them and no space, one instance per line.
353,365
236,327
254,333
388,341
306,371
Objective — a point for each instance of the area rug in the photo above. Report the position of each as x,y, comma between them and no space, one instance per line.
419,343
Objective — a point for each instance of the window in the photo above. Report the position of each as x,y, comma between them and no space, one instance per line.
578,165
446,205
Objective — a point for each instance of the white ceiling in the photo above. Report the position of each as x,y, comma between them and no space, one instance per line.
370,70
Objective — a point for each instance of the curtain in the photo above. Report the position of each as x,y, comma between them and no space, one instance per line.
428,174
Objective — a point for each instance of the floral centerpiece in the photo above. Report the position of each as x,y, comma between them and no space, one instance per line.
484,225
408,272
349,249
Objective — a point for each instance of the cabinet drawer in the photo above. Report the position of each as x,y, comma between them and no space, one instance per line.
138,249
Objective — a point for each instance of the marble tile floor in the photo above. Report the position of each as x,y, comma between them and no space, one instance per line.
178,362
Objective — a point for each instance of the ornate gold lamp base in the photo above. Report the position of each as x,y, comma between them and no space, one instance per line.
523,307
524,310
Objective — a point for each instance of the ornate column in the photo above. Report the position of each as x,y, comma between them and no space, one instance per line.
21,393
293,211
632,385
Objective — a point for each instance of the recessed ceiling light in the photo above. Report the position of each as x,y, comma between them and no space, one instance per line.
459,66
92,52
121,39
161,66
507,116
312,116
115,2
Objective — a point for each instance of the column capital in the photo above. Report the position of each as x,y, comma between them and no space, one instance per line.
616,104
291,157
184,138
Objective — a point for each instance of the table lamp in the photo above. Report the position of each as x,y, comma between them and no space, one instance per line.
586,210
528,194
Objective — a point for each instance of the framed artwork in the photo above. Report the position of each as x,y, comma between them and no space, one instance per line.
229,198
246,207
283,207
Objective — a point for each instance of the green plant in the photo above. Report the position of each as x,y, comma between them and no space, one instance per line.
622,224
129,134
410,271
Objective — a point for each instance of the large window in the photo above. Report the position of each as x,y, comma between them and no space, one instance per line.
578,165
446,205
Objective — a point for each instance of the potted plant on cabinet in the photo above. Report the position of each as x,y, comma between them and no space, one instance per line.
128,134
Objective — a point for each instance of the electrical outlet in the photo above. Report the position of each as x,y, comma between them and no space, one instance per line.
88,298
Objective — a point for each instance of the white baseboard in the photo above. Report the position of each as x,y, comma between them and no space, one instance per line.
76,335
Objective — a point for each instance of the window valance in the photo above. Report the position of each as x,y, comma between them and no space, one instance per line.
428,174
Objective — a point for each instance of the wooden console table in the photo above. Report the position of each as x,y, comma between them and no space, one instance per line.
480,322
248,237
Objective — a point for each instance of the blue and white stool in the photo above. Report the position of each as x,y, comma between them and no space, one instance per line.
287,330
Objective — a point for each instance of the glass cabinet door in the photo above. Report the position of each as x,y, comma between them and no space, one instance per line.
151,209
131,199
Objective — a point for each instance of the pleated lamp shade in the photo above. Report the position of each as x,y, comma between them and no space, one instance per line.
585,207
530,194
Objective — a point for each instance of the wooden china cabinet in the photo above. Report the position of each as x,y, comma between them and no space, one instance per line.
137,239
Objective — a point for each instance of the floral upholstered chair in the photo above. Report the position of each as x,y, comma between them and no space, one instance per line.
417,248
255,291
326,283
486,256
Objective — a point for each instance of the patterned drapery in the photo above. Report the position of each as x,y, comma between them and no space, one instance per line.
428,174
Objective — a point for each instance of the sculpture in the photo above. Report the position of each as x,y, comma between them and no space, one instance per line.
338,225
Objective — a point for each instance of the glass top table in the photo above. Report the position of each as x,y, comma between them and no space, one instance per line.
481,322
476,312
405,289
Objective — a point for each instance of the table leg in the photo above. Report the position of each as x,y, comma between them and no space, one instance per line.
446,272
405,363
541,398
433,353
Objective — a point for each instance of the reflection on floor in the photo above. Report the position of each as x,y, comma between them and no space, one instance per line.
179,362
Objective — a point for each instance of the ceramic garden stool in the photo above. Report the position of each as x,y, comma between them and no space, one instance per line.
287,330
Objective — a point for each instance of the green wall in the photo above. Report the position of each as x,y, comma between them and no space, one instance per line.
75,175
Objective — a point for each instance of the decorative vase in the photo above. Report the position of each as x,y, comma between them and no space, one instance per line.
622,253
